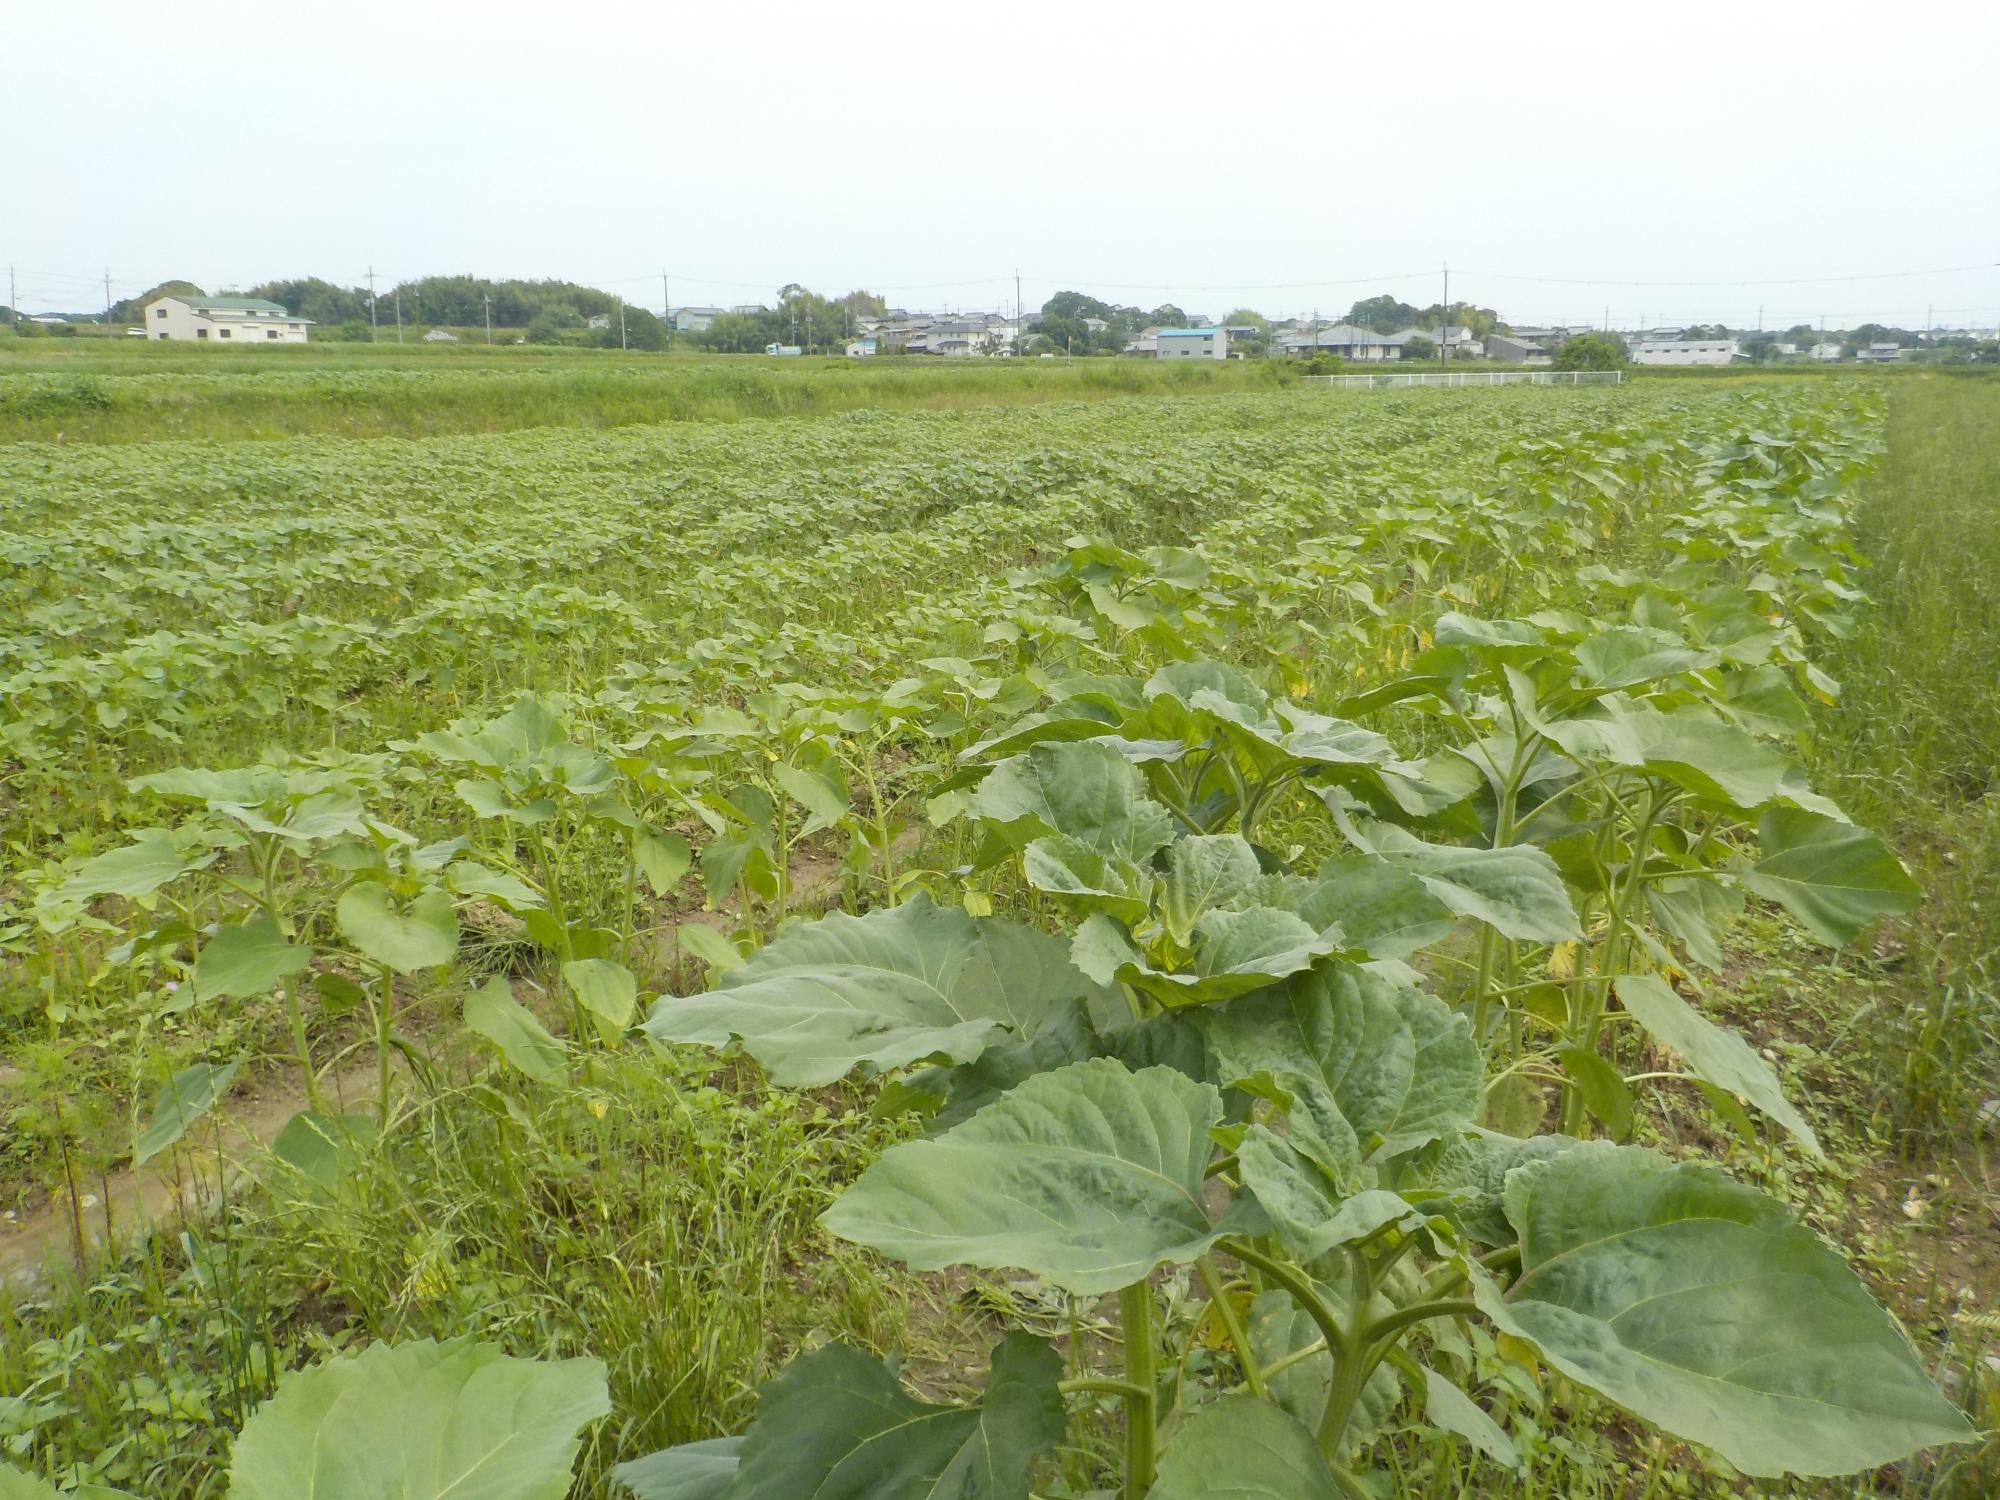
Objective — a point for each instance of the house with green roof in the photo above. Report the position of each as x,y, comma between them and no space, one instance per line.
231,321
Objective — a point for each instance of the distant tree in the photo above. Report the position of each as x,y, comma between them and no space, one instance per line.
1384,314
1419,347
1166,315
864,304
544,329
1879,333
1803,334
310,297
355,330
641,331
741,333
1076,305
1591,351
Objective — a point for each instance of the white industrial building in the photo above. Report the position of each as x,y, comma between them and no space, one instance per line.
1192,343
224,320
1686,352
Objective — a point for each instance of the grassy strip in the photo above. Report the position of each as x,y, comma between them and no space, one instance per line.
134,396
1915,745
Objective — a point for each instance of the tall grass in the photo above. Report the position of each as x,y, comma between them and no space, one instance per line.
116,395
660,1214
1916,740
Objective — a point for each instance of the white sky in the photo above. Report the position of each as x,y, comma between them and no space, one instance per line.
1287,156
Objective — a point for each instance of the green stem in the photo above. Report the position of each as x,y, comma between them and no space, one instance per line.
1135,1316
1218,1293
1302,1290
288,991
1100,1385
1351,1366
1610,963
1503,834
384,1023
1278,1367
1393,1323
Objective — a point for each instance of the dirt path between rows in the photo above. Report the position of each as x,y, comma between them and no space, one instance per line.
115,1209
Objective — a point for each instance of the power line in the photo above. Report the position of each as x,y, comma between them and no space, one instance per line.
1768,281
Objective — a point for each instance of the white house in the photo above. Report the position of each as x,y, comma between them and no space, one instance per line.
1880,353
1192,343
1825,353
861,348
1687,352
224,320
695,319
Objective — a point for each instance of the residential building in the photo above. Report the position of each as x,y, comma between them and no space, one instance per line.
748,309
1192,343
861,348
695,319
1825,353
1344,340
223,320
1687,352
1520,347
1880,354
1146,345
1454,340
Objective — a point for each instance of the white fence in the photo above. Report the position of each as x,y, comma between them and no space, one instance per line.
1476,377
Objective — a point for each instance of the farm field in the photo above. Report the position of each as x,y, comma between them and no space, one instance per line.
1442,938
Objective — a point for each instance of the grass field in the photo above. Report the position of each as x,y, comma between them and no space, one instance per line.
101,391
509,885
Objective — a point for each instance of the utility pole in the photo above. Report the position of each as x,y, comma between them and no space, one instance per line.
667,302
107,296
13,303
487,298
399,312
1019,327
373,333
621,322
1444,329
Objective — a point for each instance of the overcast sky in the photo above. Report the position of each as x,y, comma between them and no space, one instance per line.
1287,157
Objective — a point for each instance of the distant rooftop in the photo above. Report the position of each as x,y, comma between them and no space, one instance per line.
237,304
